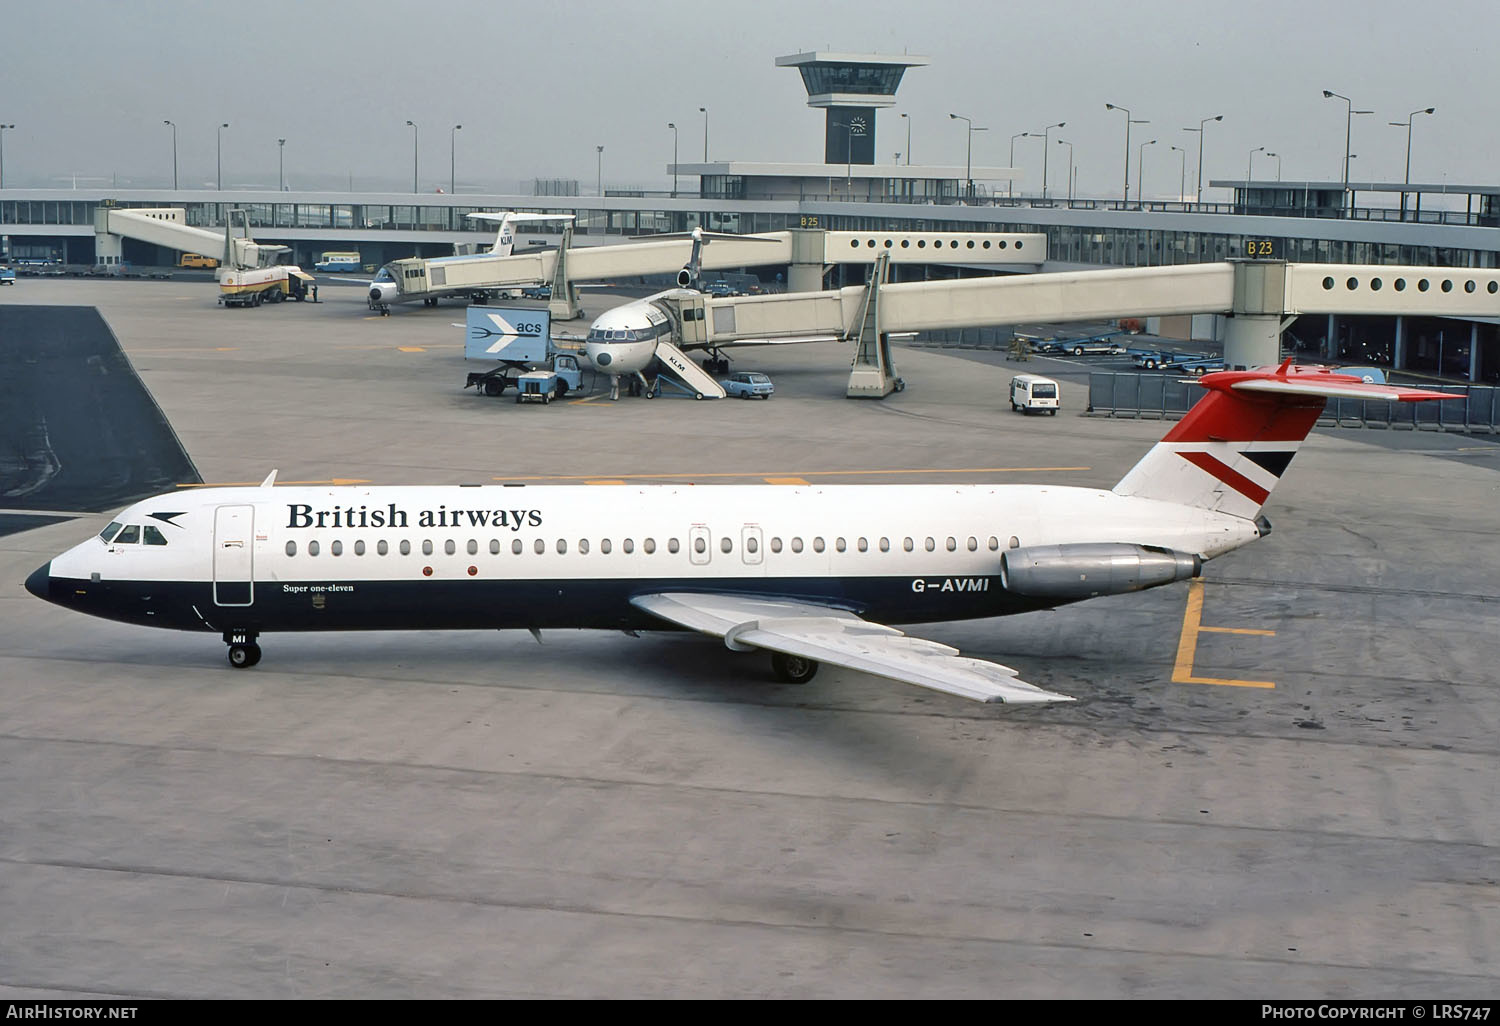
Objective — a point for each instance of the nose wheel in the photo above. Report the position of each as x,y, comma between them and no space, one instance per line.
243,651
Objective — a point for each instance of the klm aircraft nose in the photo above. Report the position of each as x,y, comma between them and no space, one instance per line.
40,582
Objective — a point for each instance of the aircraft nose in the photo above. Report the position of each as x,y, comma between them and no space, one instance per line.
40,581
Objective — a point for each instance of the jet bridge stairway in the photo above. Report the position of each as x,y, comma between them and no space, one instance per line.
675,362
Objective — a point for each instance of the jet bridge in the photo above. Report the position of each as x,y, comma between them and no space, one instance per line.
167,227
809,252
1259,297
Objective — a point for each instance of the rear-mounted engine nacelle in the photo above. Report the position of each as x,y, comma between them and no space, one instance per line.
1085,570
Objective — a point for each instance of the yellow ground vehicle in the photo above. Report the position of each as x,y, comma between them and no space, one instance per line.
196,260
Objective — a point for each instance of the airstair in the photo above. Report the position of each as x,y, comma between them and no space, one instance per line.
697,380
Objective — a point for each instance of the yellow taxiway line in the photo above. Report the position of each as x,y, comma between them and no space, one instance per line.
1187,645
787,477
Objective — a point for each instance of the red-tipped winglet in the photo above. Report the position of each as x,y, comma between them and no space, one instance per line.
1310,380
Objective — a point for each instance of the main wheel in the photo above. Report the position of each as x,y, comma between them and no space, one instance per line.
1151,365
242,657
494,386
793,669
562,389
1078,350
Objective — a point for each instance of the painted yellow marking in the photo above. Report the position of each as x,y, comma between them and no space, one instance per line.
1187,645
586,399
786,480
810,473
190,349
253,484
604,482
410,349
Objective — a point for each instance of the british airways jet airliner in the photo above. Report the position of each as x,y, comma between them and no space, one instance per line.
808,574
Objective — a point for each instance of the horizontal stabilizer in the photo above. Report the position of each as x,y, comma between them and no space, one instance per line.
486,215
839,637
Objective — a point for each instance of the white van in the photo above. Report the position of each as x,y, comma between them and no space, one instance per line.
1033,392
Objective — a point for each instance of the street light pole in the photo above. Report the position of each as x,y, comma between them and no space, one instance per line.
1047,138
673,126
415,133
1202,124
907,119
174,153
1010,188
599,171
969,152
220,153
1349,113
453,159
1250,169
1125,197
1181,173
1278,165
704,112
1140,180
1064,142
1407,124
2,153
281,165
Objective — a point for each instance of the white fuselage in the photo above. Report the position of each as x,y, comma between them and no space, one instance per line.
302,558
622,341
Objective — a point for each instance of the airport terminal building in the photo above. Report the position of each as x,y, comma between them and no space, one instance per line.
1322,222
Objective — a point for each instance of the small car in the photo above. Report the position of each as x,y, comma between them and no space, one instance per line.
720,288
748,385
537,292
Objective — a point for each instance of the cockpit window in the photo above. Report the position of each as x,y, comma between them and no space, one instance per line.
384,274
130,536
109,532
151,536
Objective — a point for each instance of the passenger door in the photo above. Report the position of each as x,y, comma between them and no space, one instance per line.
234,534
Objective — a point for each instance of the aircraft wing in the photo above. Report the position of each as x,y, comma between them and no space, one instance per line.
735,343
352,281
832,635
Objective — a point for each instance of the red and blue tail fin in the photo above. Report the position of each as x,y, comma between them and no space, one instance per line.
1233,446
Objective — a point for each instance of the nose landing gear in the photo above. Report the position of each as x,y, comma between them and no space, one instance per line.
243,651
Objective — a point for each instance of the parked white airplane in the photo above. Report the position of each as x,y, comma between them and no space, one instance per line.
805,573
383,290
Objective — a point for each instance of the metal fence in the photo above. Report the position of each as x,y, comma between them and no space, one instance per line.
1162,396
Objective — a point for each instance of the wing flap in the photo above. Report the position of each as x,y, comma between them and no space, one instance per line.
836,636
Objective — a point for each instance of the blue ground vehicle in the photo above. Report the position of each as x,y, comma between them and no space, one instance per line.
7,276
748,385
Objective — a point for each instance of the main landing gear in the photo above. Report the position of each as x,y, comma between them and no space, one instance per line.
793,669
243,651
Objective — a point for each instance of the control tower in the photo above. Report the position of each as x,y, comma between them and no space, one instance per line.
849,86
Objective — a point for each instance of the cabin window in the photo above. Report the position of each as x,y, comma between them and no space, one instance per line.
494,546
672,545
427,548
109,532
405,547
906,543
337,548
727,545
952,544
151,536
818,544
994,543
864,546
562,546
1015,542
648,546
885,545
930,544
539,546
775,544
699,545
312,548
130,536
291,548
515,547
583,546
839,544
604,546
973,544
359,548
381,547
751,545
448,547
629,545
473,546
796,544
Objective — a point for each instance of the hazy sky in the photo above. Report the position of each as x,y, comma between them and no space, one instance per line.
538,86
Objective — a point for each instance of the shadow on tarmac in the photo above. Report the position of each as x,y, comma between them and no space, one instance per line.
79,432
